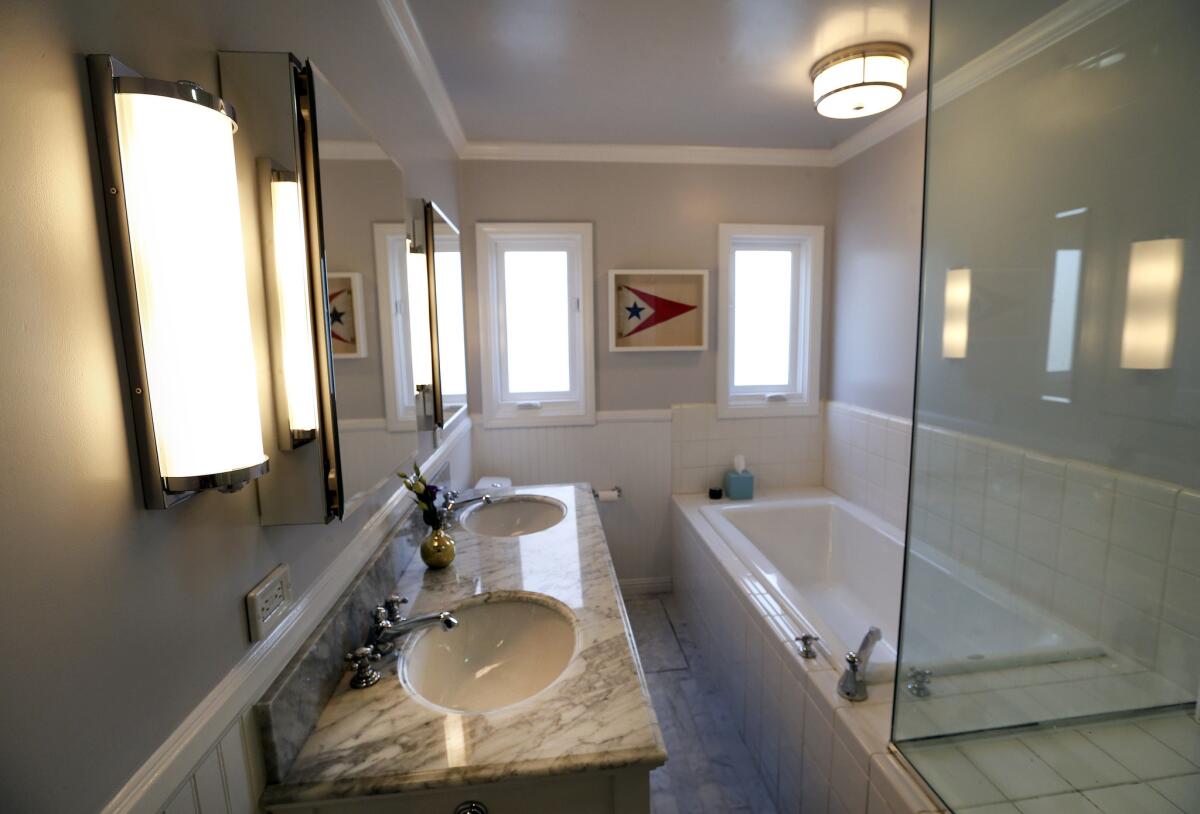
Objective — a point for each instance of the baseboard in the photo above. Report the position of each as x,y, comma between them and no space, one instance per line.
645,586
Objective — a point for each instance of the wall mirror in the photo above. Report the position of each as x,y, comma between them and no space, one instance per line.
441,389
399,379
278,178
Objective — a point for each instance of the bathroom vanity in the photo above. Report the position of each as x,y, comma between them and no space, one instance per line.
534,702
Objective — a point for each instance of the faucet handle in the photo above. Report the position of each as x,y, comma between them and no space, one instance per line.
394,606
364,674
807,651
380,616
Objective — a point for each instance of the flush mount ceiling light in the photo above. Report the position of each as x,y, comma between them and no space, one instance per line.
861,81
171,195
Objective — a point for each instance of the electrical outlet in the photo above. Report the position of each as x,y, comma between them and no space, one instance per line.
268,602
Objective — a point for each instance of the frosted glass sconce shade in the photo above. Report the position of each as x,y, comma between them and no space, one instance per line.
956,321
1151,304
293,351
175,229
860,81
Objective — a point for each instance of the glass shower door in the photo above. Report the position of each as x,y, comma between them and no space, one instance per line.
1050,647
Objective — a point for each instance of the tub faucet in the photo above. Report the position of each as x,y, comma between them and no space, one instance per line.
853,685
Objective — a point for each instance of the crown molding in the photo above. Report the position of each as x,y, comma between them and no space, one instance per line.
906,113
644,154
1034,38
412,43
344,150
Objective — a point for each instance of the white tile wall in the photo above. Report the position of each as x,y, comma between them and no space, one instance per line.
625,450
1114,554
815,751
781,452
866,459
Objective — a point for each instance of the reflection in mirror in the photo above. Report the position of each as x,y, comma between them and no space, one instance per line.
364,211
451,355
276,178
1051,581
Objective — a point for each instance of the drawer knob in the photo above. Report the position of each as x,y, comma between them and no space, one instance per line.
471,807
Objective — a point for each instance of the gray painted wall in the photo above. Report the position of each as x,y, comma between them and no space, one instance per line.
355,195
118,621
876,276
645,216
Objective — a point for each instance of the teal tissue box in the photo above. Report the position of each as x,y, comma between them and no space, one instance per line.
739,485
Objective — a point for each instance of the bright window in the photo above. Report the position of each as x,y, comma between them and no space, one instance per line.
452,351
770,320
535,287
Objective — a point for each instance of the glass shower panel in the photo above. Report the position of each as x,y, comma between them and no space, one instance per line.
1052,578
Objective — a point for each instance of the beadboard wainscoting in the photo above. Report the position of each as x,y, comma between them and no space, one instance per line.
213,762
626,448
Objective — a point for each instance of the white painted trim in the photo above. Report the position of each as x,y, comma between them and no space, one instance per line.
581,409
633,416
644,154
901,116
391,286
644,586
1034,38
344,150
412,44
151,786
807,307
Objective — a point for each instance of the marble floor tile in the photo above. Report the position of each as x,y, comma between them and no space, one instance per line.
656,643
709,769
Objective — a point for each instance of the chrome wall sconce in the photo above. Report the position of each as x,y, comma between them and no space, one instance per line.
289,307
171,199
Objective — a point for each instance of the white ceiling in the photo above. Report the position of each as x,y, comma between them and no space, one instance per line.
728,73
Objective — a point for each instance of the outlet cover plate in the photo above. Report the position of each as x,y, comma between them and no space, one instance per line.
268,602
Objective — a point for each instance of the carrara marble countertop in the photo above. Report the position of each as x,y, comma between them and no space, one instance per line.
596,716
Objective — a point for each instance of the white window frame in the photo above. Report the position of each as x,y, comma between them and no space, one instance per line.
803,395
503,409
391,285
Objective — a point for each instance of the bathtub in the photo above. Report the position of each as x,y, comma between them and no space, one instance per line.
835,570
833,567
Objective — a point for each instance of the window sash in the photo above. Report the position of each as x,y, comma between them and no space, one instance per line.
571,247
800,395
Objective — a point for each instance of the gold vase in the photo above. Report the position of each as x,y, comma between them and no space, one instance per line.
438,549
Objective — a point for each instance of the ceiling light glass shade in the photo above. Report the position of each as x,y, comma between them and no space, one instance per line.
295,313
185,240
1152,304
955,323
860,81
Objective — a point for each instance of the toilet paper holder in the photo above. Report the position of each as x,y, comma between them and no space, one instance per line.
607,495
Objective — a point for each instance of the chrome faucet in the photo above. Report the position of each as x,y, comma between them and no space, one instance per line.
853,684
454,500
389,624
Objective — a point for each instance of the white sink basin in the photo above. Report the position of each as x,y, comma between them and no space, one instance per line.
502,652
513,516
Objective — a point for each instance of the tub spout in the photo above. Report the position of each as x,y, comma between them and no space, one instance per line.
853,685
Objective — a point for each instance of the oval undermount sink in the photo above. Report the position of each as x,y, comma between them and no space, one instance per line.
502,652
513,516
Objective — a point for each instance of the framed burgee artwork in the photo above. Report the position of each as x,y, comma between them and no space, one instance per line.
653,310
345,315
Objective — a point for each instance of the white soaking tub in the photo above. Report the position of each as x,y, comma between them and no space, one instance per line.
832,566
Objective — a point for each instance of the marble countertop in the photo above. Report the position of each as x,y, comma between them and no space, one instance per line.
595,716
